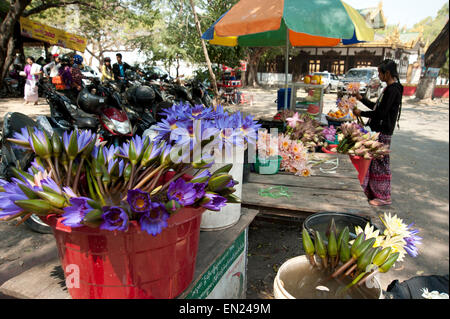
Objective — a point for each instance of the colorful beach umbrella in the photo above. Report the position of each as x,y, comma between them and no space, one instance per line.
256,23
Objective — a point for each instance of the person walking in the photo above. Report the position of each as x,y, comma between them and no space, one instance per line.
32,71
384,114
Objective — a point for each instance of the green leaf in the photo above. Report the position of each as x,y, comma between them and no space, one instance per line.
224,169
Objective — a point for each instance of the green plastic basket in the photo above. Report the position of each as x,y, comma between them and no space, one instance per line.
268,166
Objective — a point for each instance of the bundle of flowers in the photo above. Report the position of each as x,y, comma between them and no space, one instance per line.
356,141
77,177
306,129
267,145
181,121
367,255
345,106
329,133
294,156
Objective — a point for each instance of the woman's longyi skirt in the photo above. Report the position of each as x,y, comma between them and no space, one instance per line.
377,183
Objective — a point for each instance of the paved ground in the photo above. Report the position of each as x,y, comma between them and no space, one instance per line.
420,165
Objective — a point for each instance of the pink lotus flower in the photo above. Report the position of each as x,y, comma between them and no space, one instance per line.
292,121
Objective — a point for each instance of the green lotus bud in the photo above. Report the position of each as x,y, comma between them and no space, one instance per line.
64,159
320,246
149,153
308,244
36,206
40,149
344,251
381,256
132,156
88,149
365,259
127,172
331,227
218,183
361,249
202,163
27,191
54,199
389,262
232,199
332,245
56,145
343,237
72,150
93,215
358,241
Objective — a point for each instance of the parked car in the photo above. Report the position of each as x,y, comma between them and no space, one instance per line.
330,80
90,72
370,84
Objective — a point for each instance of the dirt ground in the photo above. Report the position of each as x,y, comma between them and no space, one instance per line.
419,162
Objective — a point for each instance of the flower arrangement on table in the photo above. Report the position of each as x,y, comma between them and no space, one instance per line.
354,140
362,258
293,153
87,183
304,128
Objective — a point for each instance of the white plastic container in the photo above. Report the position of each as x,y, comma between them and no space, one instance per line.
293,270
230,214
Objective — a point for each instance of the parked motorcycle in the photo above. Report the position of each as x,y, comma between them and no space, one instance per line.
95,108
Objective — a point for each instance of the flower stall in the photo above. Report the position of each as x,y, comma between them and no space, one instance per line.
114,209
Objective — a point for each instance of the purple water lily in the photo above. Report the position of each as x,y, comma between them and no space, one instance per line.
75,213
12,192
115,218
155,220
83,139
184,193
215,203
412,241
199,189
139,201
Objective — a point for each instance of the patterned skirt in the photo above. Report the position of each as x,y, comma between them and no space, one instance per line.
377,183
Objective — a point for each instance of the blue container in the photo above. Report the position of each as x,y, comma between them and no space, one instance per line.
280,98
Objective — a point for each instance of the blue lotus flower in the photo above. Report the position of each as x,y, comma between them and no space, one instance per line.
12,192
74,214
155,220
412,241
215,203
115,218
184,193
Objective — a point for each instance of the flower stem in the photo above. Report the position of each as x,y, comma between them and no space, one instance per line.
69,172
369,276
77,176
350,270
174,178
155,180
343,267
148,177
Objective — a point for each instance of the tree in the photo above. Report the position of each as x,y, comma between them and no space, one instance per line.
435,57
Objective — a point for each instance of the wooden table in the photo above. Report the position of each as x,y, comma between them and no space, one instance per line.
221,254
323,191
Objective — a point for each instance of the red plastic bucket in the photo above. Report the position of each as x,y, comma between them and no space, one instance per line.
362,166
328,149
132,264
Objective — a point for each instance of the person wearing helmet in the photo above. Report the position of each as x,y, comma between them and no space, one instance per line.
107,72
77,76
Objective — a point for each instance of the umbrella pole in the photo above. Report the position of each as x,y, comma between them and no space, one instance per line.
286,71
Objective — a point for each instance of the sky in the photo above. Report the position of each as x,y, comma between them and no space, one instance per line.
403,12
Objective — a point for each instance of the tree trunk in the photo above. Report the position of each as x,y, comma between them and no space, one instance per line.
6,35
435,57
205,52
252,68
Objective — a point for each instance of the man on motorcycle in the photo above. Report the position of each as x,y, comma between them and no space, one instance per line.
119,71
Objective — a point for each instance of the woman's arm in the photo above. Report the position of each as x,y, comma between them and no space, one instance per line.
365,101
388,99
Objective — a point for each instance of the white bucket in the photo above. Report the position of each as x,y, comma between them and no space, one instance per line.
230,214
292,271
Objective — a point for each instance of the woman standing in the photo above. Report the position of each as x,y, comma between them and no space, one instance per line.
383,117
107,73
32,71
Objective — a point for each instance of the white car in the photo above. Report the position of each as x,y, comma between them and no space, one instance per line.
330,80
90,72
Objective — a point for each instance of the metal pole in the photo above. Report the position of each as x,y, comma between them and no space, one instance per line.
286,70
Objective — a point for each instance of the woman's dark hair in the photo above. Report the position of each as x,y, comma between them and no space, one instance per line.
107,59
31,58
391,66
